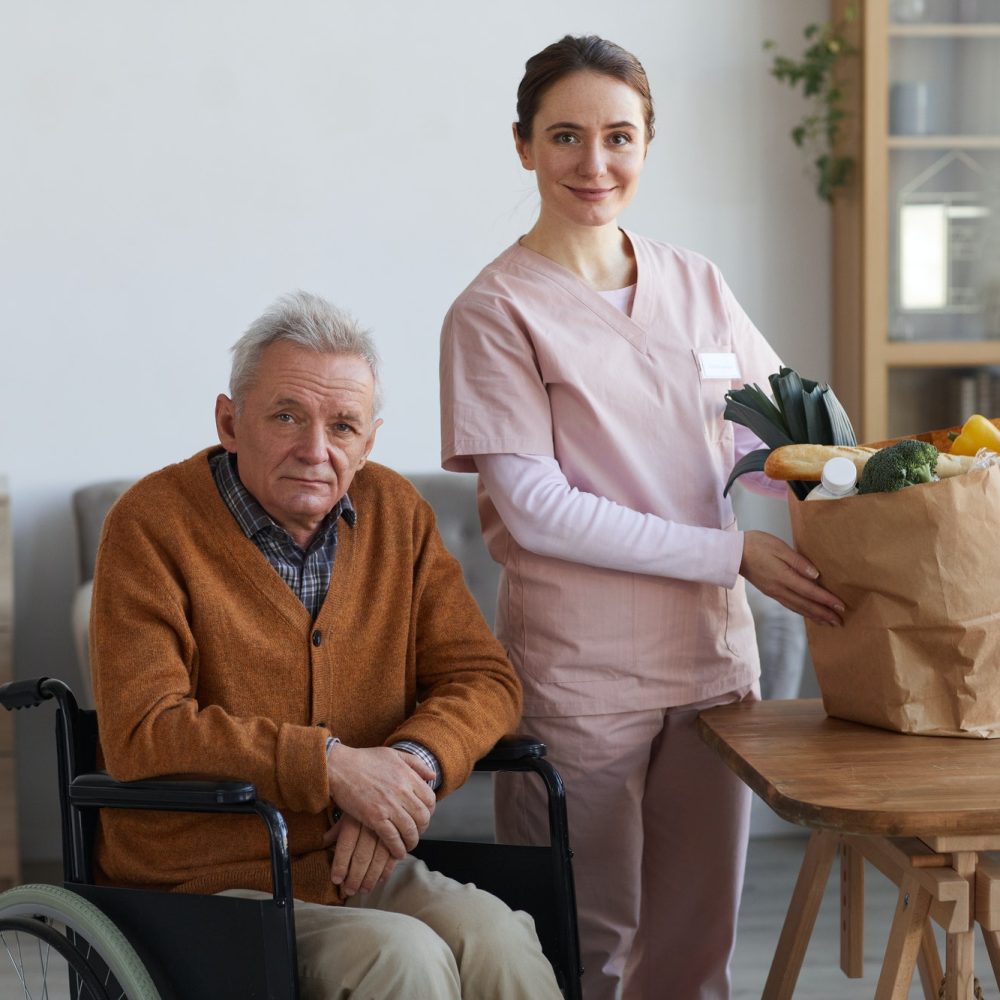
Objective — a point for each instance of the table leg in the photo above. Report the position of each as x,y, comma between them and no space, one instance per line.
960,946
905,936
992,939
929,963
988,909
801,916
959,951
852,912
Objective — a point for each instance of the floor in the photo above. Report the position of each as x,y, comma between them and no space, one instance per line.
772,866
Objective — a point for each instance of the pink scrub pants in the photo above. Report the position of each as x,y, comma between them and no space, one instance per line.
658,826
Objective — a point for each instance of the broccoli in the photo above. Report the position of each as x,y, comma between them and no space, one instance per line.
901,464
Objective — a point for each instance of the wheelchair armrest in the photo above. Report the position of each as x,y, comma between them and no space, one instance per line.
512,753
100,789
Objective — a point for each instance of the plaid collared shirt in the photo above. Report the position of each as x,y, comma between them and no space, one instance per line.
307,572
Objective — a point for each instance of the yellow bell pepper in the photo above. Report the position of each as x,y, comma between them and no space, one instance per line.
977,432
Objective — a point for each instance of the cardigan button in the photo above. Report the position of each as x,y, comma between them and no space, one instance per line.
317,638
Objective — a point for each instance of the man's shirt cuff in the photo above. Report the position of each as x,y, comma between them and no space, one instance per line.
419,750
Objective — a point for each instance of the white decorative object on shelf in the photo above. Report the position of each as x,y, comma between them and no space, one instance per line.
944,229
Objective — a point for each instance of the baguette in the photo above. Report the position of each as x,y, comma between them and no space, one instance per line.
953,465
805,461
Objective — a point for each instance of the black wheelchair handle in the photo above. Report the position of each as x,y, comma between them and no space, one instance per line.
24,694
99,789
512,753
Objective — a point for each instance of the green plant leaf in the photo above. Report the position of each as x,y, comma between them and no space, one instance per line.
817,418
815,74
841,429
755,398
786,386
751,462
767,430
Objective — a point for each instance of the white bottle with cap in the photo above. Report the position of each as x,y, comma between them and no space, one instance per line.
839,479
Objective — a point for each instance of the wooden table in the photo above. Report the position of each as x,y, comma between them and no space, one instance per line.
921,809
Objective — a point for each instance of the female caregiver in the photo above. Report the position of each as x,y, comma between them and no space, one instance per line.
576,379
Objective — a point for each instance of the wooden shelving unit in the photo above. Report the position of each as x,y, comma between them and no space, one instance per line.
944,29
882,375
9,855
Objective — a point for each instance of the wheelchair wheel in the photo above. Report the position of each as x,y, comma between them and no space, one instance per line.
57,945
28,946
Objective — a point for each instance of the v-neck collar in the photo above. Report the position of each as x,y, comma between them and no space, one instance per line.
632,327
242,556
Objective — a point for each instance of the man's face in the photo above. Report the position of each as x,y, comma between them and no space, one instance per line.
303,429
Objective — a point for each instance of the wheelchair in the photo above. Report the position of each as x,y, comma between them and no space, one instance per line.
98,942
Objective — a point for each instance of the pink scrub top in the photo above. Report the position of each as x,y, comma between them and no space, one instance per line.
535,361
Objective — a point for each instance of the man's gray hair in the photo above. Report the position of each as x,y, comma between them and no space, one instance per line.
307,321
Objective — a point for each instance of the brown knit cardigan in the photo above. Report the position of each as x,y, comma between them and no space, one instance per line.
206,663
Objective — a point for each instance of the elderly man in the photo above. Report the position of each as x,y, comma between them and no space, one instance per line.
282,611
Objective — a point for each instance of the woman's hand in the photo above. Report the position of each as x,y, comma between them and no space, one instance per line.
780,572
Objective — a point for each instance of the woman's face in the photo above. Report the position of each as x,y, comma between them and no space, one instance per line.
587,148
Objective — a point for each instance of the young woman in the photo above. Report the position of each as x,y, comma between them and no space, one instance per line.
582,376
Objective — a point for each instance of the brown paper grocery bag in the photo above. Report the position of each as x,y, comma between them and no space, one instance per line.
919,573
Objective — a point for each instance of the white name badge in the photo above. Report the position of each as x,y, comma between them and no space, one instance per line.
721,366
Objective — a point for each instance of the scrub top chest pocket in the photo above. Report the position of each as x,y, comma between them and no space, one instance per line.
717,371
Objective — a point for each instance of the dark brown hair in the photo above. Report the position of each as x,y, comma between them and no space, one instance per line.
571,55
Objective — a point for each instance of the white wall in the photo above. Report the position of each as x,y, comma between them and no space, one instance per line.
168,169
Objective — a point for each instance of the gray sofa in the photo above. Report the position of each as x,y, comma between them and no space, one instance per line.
468,813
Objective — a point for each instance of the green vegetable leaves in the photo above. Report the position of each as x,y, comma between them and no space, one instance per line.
751,462
760,415
802,412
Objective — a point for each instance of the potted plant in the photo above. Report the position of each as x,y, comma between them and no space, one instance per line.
815,72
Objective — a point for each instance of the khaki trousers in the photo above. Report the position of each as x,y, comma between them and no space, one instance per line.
419,936
658,826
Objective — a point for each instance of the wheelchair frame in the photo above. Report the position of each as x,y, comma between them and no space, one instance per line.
247,947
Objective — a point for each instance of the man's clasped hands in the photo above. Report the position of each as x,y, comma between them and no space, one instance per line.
382,804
